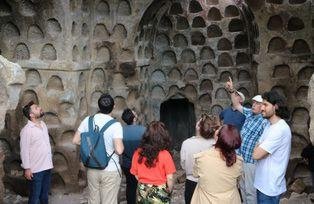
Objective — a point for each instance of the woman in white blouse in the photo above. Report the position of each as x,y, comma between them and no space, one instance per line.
203,140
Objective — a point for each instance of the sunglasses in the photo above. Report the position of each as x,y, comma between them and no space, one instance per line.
205,116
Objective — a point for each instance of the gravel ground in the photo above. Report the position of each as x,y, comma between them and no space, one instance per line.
81,197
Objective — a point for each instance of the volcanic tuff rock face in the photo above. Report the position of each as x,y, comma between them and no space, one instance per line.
146,52
311,100
11,80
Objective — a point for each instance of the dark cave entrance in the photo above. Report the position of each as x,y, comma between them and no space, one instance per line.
179,117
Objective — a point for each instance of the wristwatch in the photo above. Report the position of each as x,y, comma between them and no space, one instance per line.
231,90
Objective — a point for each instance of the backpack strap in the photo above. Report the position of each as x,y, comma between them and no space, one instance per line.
90,123
102,130
107,125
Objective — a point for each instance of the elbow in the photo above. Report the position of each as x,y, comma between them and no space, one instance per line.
77,138
119,151
182,163
118,146
75,142
170,178
255,156
238,107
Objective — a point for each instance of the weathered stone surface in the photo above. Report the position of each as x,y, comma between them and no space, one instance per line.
146,53
12,78
296,198
297,186
311,196
2,190
311,102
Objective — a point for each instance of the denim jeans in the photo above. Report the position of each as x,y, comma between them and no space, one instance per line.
39,187
265,199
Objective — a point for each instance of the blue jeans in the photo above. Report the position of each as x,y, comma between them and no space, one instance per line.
39,187
265,199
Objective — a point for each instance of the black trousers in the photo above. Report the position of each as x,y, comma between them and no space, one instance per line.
189,190
131,185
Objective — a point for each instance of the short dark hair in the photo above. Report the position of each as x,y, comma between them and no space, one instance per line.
276,99
128,116
105,103
27,109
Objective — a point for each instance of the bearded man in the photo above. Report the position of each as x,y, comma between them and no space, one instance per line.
272,150
36,154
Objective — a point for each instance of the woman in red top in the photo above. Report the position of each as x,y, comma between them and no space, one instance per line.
153,166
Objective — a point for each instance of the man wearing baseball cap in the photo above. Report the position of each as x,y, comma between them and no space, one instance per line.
251,131
231,115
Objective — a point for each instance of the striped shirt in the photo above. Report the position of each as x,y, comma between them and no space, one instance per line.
251,131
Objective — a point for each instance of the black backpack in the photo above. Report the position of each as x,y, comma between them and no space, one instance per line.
93,149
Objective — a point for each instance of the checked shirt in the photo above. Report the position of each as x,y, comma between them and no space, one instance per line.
251,131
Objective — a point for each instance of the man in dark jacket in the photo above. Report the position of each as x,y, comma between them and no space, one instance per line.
132,135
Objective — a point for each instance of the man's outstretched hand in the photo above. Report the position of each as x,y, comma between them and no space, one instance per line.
229,85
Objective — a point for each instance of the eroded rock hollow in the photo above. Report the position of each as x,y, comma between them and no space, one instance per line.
167,59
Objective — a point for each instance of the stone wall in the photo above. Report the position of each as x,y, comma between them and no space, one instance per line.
145,52
190,50
11,80
285,64
311,101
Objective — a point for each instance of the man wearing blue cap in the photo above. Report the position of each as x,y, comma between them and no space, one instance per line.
231,115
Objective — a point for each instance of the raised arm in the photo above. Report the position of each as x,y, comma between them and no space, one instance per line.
235,103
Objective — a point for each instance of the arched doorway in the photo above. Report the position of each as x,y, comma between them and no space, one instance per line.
179,117
191,48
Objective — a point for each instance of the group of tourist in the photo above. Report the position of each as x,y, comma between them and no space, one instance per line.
211,164
146,159
251,152
245,147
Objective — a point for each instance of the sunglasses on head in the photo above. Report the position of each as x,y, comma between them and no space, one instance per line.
205,116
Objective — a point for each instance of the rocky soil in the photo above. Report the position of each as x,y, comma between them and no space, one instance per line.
298,193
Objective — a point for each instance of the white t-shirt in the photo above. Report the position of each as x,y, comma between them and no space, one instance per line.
270,171
190,147
114,131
